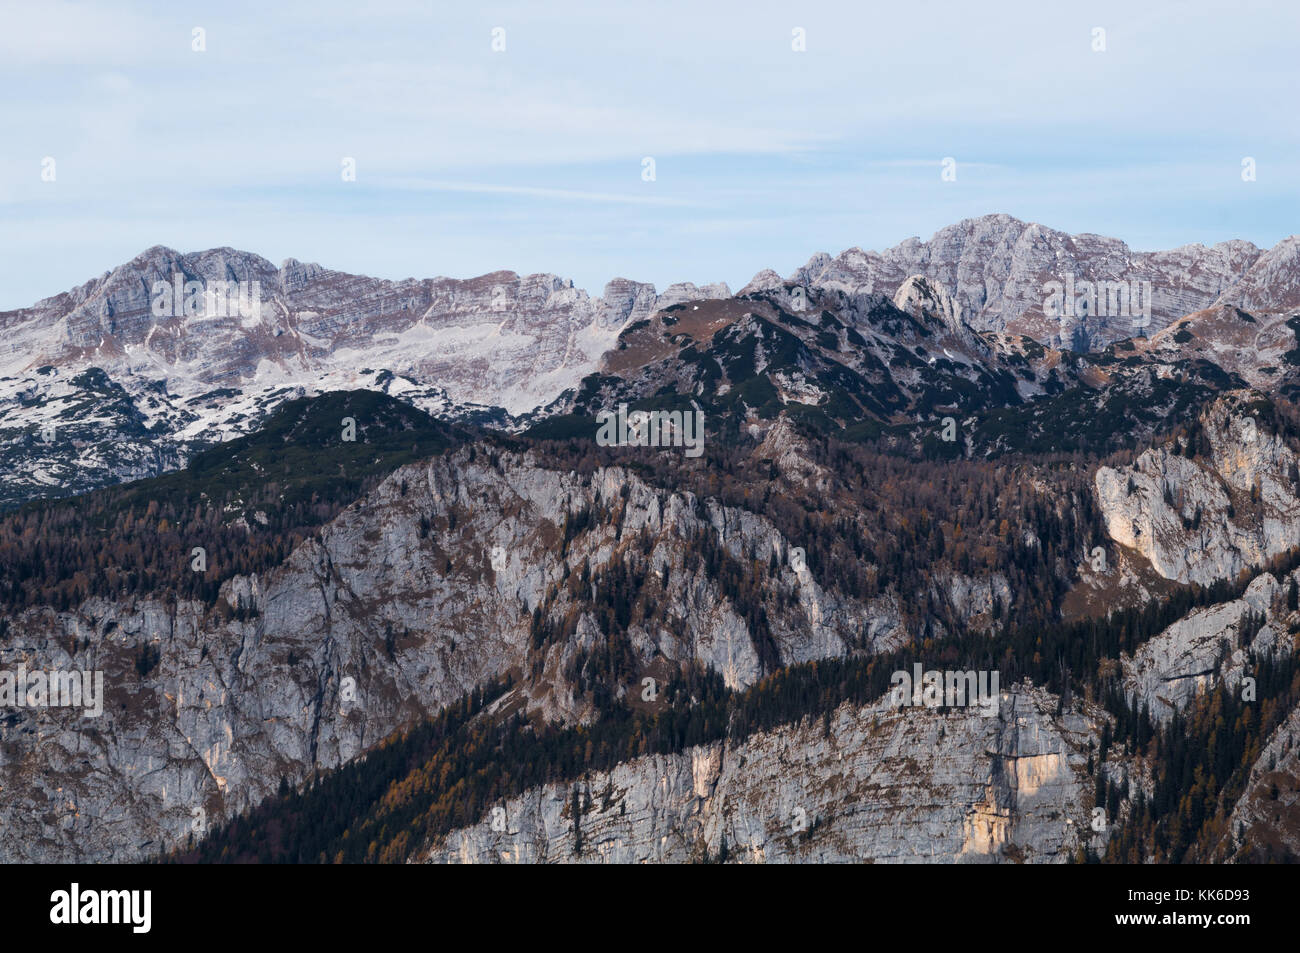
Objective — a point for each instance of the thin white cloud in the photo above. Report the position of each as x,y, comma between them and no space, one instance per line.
59,32
566,195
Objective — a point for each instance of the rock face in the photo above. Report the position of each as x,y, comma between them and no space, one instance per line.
131,392
922,298
975,598
1207,518
879,784
1268,812
409,599
996,268
1205,647
506,339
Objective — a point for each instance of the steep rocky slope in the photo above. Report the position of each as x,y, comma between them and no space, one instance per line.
97,386
1206,517
1209,646
485,562
996,267
877,784
1265,824
890,475
418,594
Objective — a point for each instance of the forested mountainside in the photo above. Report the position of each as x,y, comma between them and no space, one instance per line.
366,632
498,605
489,780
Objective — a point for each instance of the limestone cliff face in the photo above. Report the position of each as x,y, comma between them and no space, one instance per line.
424,590
881,784
1207,518
1208,646
408,600
920,296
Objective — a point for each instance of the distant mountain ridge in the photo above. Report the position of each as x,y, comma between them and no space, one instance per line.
161,386
995,267
501,338
99,384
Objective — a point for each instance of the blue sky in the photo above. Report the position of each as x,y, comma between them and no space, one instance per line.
530,159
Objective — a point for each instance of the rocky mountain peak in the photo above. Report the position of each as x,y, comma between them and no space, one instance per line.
765,280
1003,274
927,301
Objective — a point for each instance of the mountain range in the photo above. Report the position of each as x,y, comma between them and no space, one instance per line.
96,388
437,620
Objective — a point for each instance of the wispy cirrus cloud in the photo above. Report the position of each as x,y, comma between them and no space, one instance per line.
559,195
